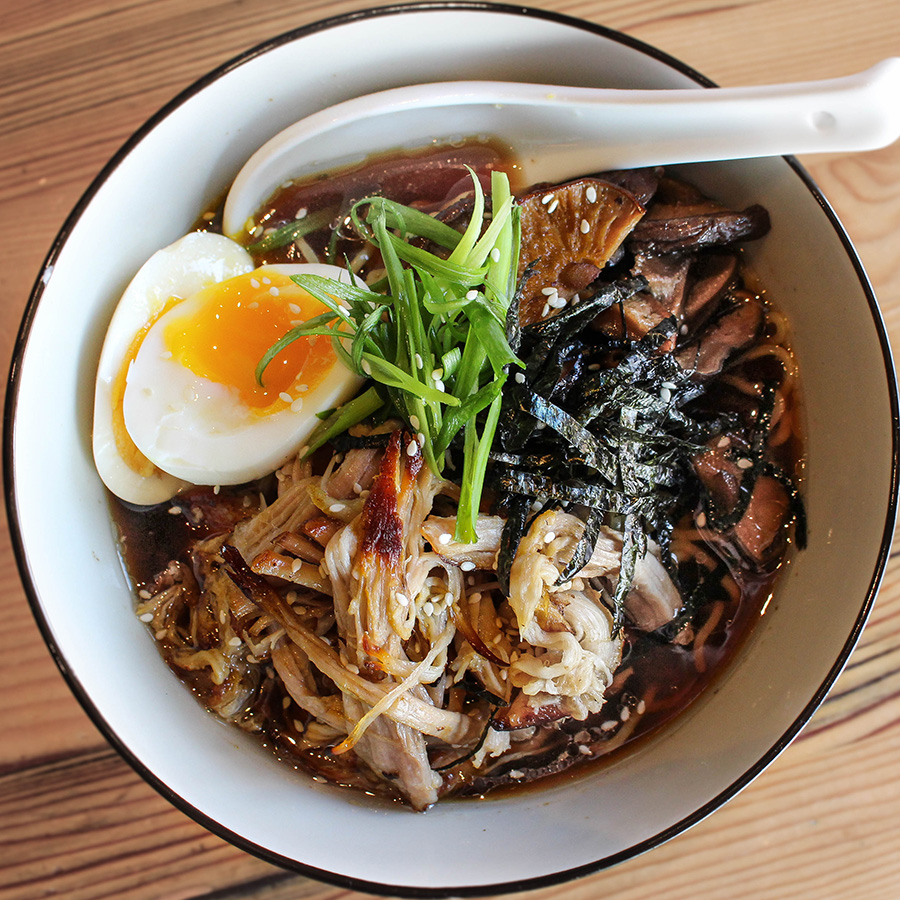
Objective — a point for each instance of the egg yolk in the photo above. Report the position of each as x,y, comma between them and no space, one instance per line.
232,324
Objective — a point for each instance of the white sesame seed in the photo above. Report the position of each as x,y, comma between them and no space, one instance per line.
744,463
402,599
414,421
545,310
166,354
641,707
419,361
665,395
609,725
284,395
585,226
285,702
296,566
303,450
337,507
297,405
439,385
274,291
556,302
301,213
445,538
255,303
266,280
537,506
549,291
520,378
670,385
472,295
216,489
254,283
546,199
724,441
256,231
412,448
437,374
234,641
174,510
367,369
421,439
591,194
549,537
552,207
701,519
144,594
146,617
495,254
160,634
357,487
467,565
584,750
625,715
428,607
683,329
294,309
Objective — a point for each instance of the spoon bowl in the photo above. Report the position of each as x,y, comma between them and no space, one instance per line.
559,132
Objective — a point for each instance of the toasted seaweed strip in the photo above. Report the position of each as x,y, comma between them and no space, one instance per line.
593,522
514,529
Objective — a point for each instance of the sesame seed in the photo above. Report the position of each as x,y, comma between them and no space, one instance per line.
284,395
357,487
665,395
609,725
216,489
297,405
591,194
234,642
285,702
144,594
439,385
296,566
255,303
467,566
670,385
301,213
552,207
550,291
257,231
701,519
414,421
546,199
549,537
445,538
428,607
744,463
174,510
160,634
556,302
520,378
545,310
294,309
419,361
421,439
266,280
146,617
254,283
537,506
683,329
166,354
584,750
472,295
625,715
367,369
495,254
437,374
724,441
274,291
402,599
641,707
303,450
412,448
337,507
585,226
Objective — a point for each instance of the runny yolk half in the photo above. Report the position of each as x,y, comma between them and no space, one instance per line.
230,326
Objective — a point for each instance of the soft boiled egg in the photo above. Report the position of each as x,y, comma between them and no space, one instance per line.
191,404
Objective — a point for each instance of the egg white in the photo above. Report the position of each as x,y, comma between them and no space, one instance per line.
200,431
188,265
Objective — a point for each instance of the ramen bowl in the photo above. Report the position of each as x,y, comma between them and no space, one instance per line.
178,164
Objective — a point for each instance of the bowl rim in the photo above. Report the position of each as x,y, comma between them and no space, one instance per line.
74,683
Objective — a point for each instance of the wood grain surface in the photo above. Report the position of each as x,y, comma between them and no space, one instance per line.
76,78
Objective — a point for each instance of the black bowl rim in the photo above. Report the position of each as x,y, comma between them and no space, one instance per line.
78,689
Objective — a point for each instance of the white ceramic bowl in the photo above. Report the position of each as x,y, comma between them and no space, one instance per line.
185,157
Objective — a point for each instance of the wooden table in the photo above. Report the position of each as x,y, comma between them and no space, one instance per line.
76,78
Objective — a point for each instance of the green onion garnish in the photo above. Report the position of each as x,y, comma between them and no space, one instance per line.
434,340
